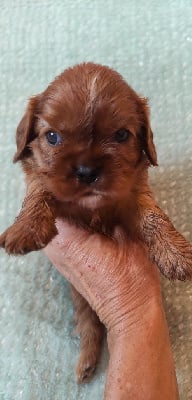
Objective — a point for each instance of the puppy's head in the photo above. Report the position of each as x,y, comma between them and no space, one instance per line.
87,135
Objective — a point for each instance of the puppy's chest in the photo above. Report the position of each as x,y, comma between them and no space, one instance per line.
105,221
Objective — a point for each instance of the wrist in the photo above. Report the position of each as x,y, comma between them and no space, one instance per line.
135,303
141,364
141,317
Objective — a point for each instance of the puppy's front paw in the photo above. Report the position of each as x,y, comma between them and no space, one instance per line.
173,259
22,238
167,247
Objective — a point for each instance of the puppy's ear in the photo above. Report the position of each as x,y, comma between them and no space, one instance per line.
25,130
147,134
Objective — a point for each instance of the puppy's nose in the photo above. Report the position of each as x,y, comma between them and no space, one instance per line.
86,174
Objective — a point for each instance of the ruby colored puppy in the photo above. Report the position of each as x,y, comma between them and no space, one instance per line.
85,145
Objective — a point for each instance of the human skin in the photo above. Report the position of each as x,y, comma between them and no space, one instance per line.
122,286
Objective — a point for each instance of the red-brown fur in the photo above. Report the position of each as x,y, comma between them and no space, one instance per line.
87,105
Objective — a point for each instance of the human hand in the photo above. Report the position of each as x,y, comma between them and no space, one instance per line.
123,287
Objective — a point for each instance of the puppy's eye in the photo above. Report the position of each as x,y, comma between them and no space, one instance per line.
53,138
121,135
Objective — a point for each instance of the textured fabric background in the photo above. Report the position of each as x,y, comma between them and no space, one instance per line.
150,43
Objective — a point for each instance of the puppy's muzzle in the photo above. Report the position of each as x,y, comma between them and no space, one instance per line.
87,175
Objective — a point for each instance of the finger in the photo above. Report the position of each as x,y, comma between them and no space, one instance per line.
69,233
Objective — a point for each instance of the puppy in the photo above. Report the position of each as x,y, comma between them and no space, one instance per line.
85,145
